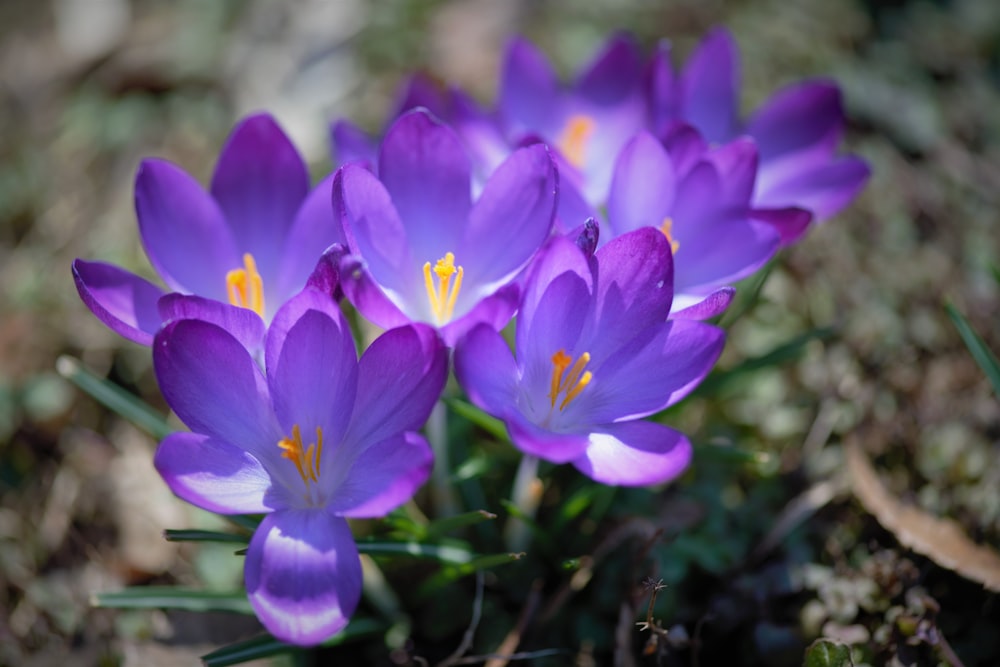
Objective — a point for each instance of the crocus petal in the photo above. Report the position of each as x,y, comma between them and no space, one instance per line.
662,85
791,223
244,324
824,189
400,378
710,87
614,74
426,171
736,163
706,308
512,218
537,441
125,302
685,145
486,369
372,226
528,88
642,188
352,144
383,477
260,181
420,90
634,453
183,231
555,325
558,256
495,310
573,209
214,386
311,365
303,575
215,475
315,228
367,295
805,115
658,367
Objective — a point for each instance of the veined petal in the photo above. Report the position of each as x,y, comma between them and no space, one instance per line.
312,368
183,231
705,308
214,386
486,369
373,227
315,228
215,475
538,441
634,453
512,218
802,116
400,378
556,324
528,88
123,301
383,477
367,295
260,181
244,324
711,87
557,257
303,575
791,223
426,172
642,188
824,189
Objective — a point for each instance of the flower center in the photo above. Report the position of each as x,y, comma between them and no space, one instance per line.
572,142
443,295
568,380
306,459
245,287
666,228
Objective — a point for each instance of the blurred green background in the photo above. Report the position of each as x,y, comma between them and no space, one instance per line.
89,87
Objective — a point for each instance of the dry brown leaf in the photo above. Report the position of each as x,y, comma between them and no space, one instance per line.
941,540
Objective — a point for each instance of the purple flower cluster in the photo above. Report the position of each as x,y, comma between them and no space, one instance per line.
610,215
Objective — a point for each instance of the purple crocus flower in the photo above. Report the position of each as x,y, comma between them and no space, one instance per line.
247,245
798,130
594,354
422,249
320,438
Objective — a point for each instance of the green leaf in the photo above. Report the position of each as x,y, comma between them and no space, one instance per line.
783,354
826,653
441,553
453,523
455,572
488,423
170,597
747,295
191,535
982,354
267,646
114,397
248,522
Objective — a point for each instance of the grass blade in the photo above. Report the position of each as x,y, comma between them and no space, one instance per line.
982,354
171,597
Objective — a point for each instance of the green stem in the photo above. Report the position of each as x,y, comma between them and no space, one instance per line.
526,496
441,490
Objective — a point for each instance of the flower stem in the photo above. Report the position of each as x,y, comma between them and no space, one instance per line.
442,492
526,495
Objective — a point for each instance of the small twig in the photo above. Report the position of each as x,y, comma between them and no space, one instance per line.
504,652
651,624
470,632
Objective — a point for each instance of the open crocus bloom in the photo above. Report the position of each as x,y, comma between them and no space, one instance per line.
321,437
798,130
248,245
594,354
422,250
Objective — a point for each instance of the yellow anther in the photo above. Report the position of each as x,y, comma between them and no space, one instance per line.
572,142
306,460
245,287
568,383
444,295
666,228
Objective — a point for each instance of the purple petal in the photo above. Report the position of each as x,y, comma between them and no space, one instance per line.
426,172
803,116
545,444
260,181
383,477
495,310
400,378
486,369
558,256
511,219
711,306
420,90
654,370
642,188
209,379
373,227
824,189
123,301
244,324
315,228
615,73
711,87
183,231
635,453
352,144
528,88
556,324
312,368
662,84
303,575
686,147
790,223
367,296
215,475
736,163
573,209
325,277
